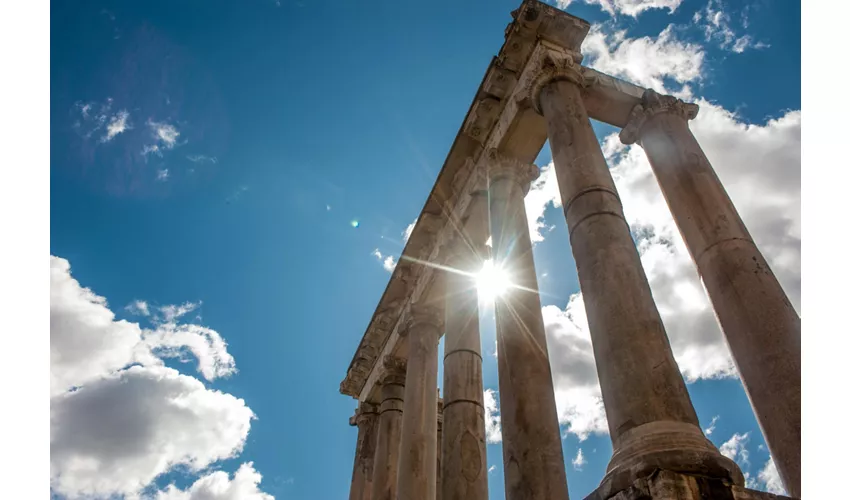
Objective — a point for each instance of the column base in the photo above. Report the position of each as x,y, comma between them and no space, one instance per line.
664,445
669,485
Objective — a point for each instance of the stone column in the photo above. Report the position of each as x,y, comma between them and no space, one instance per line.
465,454
361,478
650,416
760,324
417,468
531,439
439,448
385,476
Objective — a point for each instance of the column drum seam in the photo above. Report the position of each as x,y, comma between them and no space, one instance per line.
709,247
445,356
446,405
590,189
602,212
391,409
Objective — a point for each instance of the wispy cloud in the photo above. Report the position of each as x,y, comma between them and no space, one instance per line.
388,261
579,460
492,418
117,124
711,426
202,159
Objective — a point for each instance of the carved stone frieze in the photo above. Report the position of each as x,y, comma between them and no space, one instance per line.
484,114
652,103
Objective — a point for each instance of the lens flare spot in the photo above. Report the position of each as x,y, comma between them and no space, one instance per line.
491,281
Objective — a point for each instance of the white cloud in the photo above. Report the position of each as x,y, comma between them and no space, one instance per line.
645,61
162,175
579,460
712,425
631,8
769,478
118,417
202,159
492,419
735,448
118,433
409,230
165,133
117,124
578,397
387,261
542,193
218,486
491,469
717,26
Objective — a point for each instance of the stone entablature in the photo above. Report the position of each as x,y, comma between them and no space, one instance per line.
499,117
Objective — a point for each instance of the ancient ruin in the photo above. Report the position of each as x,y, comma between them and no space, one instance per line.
414,445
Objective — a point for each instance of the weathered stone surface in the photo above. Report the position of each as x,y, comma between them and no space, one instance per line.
385,475
759,322
417,468
366,420
668,485
651,420
531,440
464,474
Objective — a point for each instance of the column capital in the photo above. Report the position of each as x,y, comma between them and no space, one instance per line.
500,166
555,66
652,103
422,314
395,370
363,415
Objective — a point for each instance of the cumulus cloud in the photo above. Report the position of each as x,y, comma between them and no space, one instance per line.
119,418
218,486
91,117
578,397
645,61
542,194
735,448
118,433
492,419
768,478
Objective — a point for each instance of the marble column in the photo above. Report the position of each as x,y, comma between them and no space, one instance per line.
390,413
651,420
417,468
761,326
464,473
361,478
531,440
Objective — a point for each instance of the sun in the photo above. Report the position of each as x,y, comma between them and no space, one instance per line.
491,281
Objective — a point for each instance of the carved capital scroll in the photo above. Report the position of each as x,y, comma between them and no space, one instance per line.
652,103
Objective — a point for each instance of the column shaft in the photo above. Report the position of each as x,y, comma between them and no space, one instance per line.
531,440
650,416
759,322
464,451
361,477
417,470
385,476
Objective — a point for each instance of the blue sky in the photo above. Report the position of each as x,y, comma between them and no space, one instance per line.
214,155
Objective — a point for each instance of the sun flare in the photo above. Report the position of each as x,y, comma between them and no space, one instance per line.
491,281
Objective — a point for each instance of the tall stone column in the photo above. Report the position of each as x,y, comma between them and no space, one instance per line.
760,324
385,475
439,448
417,468
650,416
531,440
464,473
361,478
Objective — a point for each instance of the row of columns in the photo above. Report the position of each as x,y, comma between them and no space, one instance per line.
651,420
